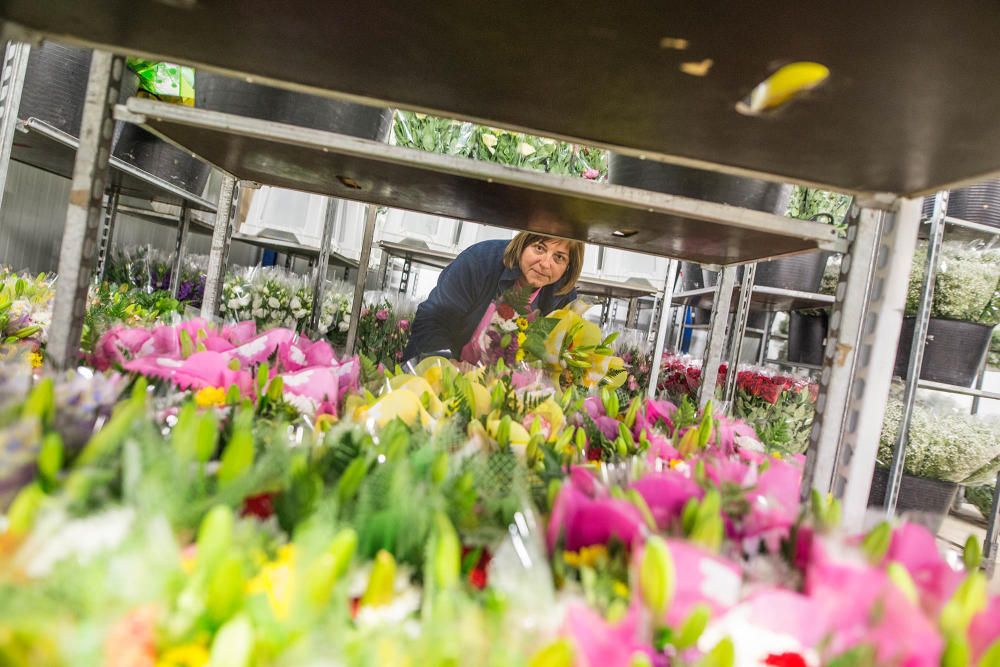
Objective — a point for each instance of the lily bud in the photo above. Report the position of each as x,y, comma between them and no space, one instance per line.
381,582
657,578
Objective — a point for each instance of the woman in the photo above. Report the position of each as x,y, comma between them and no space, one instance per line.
447,319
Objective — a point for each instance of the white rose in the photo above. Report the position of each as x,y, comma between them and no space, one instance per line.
296,304
343,326
273,303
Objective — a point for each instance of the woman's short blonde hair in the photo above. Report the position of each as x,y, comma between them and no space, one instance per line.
512,257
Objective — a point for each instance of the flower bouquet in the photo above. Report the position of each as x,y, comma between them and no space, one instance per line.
384,328
25,307
570,349
109,305
269,296
780,407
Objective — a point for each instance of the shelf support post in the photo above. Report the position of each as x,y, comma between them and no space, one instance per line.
864,331
218,256
716,334
916,360
739,330
15,63
371,217
661,328
183,226
83,214
322,265
107,234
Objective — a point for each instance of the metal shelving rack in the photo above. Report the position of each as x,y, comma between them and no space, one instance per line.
938,222
649,102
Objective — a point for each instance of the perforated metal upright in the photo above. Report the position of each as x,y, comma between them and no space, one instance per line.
218,256
15,62
83,215
322,264
717,330
864,331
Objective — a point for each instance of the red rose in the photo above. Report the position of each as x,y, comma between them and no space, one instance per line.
260,506
506,311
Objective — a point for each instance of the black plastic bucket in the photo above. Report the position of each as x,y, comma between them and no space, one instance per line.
55,85
698,184
975,203
800,272
218,92
916,494
953,352
807,337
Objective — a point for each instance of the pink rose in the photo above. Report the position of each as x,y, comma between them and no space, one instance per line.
382,315
591,174
404,324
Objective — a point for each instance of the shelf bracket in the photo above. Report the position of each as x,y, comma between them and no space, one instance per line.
83,214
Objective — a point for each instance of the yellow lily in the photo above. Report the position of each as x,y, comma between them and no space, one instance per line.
551,412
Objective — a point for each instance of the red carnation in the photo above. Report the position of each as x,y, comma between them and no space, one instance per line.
506,311
785,660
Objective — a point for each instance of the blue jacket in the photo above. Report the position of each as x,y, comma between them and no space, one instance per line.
449,316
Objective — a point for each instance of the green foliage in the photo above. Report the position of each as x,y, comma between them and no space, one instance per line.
120,304
516,149
808,203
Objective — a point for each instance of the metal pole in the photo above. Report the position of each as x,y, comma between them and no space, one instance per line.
15,62
183,225
916,351
107,235
739,330
992,542
83,215
716,334
222,235
383,268
661,330
322,264
371,216
979,382
867,388
765,339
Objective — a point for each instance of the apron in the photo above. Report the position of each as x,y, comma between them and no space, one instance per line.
474,350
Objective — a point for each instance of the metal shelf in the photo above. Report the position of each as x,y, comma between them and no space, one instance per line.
374,172
585,285
45,147
658,78
762,299
956,389
199,226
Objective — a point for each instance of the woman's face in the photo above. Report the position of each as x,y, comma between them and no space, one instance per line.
544,262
